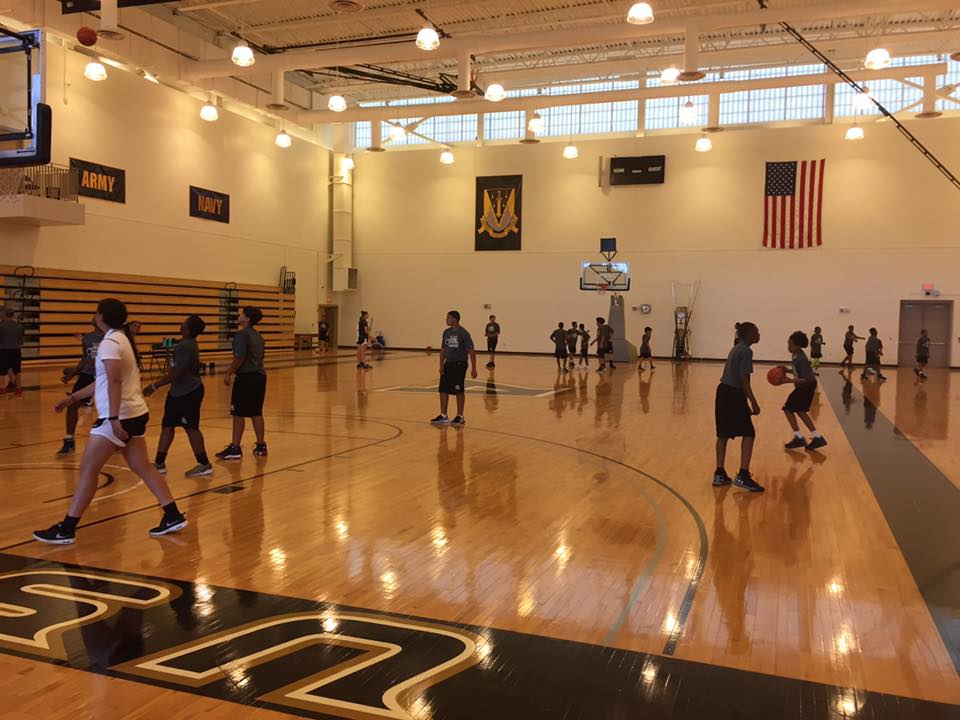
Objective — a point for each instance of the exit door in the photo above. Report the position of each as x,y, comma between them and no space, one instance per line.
936,316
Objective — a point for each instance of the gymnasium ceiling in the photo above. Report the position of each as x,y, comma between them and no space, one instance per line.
550,52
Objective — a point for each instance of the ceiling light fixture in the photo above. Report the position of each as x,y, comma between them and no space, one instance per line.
854,132
283,140
397,133
669,76
242,55
428,39
209,112
337,103
495,92
688,113
95,71
536,124
877,59
704,144
446,157
862,101
570,152
640,14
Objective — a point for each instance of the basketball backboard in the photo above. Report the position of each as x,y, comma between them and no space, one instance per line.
605,276
24,120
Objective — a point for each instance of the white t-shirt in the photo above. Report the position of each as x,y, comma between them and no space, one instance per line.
116,346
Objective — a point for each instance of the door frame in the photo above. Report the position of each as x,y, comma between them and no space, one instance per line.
334,326
929,301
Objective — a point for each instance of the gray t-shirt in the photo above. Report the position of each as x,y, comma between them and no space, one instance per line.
11,335
645,343
923,346
816,343
604,336
91,343
874,345
186,354
248,344
739,363
559,337
802,368
456,344
493,329
848,338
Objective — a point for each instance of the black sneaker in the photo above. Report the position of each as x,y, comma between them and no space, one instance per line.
745,480
230,452
720,478
55,535
916,371
458,420
260,449
160,468
816,443
491,364
441,419
796,444
169,525
69,446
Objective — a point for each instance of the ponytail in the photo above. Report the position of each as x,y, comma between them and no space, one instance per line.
133,343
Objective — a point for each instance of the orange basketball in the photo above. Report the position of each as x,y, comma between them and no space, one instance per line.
87,36
776,376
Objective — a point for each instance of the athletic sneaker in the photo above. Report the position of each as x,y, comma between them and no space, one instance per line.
199,471
796,444
720,478
160,468
745,480
440,419
69,446
169,525
260,449
359,365
55,535
916,371
458,420
230,452
817,442
368,367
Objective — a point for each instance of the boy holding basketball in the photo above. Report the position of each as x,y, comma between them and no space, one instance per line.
559,339
734,405
799,401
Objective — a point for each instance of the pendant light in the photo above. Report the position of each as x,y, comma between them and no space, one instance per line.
95,71
446,157
242,55
536,124
854,132
570,152
877,59
704,144
283,140
337,103
861,100
209,112
428,38
640,14
688,113
397,133
495,93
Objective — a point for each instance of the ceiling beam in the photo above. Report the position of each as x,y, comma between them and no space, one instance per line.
576,37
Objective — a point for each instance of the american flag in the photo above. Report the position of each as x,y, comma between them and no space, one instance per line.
793,204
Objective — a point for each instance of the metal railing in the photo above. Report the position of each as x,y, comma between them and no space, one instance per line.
46,181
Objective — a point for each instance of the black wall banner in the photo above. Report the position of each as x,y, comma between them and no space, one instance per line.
100,181
498,219
209,204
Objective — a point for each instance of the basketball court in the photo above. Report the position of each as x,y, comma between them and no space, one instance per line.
560,547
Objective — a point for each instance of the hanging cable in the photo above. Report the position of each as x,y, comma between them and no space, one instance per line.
789,29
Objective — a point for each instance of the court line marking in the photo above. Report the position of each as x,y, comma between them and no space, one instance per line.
55,466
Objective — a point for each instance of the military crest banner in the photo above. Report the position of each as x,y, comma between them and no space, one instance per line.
498,212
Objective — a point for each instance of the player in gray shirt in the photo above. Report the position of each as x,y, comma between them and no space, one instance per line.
85,373
11,342
456,346
801,398
734,405
182,407
250,387
874,349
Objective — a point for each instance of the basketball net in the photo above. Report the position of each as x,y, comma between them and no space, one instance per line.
603,288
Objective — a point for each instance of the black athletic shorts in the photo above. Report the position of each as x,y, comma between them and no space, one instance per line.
873,358
571,349
733,413
801,398
848,349
184,410
560,353
646,354
584,351
492,343
603,350
453,377
249,390
816,355
923,359
10,360
134,427
83,380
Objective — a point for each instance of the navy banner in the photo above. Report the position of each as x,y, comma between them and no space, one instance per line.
209,204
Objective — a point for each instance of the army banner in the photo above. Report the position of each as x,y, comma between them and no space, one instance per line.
100,181
498,217
209,205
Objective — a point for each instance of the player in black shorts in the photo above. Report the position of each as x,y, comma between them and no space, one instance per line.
801,398
85,374
573,334
584,346
849,339
363,339
559,339
250,387
923,355
492,331
182,407
11,353
604,341
456,346
734,405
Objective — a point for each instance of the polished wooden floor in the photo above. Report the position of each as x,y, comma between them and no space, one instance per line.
574,506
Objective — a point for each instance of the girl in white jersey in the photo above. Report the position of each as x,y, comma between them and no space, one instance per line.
122,421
